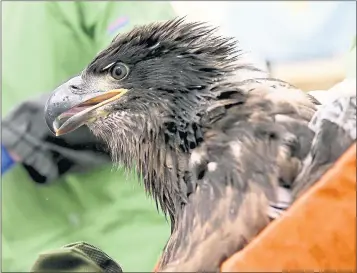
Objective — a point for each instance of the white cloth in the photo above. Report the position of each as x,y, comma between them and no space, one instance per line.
339,107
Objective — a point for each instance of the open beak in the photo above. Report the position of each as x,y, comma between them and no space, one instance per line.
68,108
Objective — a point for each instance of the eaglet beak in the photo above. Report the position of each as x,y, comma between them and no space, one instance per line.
70,107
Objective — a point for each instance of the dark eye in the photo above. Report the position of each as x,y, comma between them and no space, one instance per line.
119,71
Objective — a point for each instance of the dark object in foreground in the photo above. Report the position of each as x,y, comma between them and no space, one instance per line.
76,257
45,157
212,136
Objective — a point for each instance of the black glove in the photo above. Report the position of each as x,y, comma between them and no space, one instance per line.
44,156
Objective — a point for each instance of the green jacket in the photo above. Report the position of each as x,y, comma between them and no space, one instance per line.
45,43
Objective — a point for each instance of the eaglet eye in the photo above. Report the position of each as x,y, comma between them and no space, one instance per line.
119,71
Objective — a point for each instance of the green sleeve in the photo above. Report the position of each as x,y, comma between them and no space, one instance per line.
45,43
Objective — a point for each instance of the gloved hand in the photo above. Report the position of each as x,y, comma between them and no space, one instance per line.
45,157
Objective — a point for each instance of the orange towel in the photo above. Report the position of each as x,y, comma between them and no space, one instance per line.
317,233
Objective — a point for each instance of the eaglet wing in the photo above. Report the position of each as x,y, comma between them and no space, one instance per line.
256,137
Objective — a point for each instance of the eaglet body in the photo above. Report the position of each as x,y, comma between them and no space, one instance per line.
212,137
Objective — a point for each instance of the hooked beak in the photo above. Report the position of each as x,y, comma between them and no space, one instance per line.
69,107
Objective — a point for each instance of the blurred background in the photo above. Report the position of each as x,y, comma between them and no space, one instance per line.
303,42
51,195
